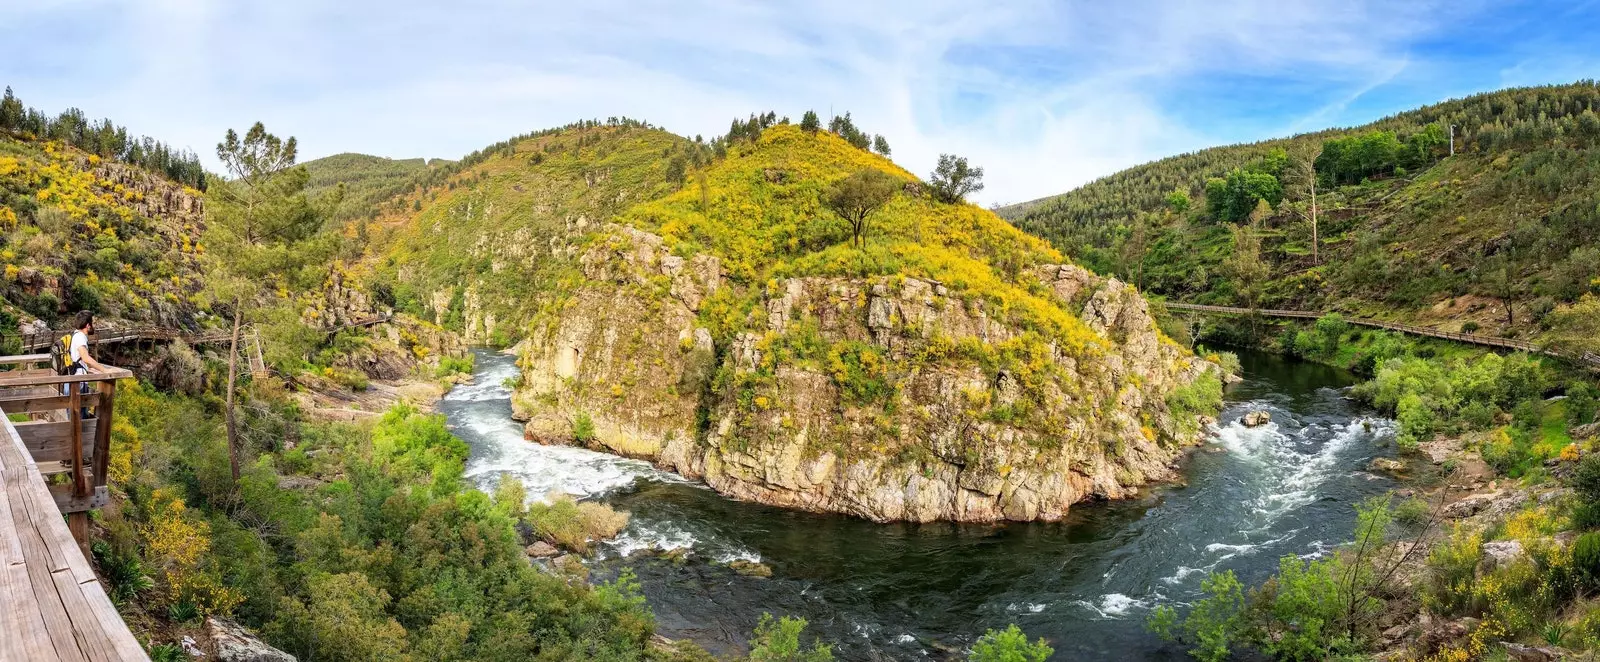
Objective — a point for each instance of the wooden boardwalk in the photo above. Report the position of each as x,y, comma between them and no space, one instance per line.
52,606
33,342
1586,359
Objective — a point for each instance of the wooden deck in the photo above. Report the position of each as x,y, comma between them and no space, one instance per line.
52,606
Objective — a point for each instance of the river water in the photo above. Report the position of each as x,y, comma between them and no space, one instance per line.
924,591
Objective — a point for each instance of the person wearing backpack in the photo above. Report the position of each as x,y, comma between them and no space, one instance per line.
71,354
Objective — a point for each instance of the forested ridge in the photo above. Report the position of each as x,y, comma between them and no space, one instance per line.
1499,237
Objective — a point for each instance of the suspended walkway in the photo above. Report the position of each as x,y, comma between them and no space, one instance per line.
1586,359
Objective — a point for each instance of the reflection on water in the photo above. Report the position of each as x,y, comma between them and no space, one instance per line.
923,591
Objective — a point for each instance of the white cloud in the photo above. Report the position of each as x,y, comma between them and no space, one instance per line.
1044,95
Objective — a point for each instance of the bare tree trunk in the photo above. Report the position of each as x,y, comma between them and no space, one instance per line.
233,380
1315,259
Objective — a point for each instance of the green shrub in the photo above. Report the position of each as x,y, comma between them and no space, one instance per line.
1412,512
1470,327
573,525
1586,558
778,640
1213,625
583,428
455,365
1009,645
1581,405
1416,419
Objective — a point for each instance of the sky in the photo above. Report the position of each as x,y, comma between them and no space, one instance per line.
1045,96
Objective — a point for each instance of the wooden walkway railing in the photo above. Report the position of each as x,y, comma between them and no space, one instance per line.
1587,359
39,340
52,606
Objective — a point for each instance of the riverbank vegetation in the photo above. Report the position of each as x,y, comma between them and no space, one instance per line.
1461,570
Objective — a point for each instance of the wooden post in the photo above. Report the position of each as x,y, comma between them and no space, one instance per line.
102,431
77,522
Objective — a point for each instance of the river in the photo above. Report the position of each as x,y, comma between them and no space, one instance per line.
924,591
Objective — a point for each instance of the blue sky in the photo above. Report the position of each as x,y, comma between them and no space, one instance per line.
1044,95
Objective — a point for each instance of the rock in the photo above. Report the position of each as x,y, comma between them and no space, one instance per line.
750,568
1499,554
1586,431
1256,418
1469,506
232,643
1525,653
1387,465
571,565
542,549
631,354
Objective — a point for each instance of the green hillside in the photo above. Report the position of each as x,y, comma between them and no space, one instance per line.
473,252
1499,237
367,180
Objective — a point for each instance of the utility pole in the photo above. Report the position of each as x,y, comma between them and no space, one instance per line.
1452,140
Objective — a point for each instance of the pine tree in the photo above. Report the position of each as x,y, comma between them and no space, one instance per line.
260,228
880,144
809,122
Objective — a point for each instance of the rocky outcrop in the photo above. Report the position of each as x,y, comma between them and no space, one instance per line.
232,643
887,398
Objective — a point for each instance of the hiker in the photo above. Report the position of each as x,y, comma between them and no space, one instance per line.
80,361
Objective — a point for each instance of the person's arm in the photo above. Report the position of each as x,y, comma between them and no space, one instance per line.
88,360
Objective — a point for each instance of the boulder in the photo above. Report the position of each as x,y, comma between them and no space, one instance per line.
751,568
1469,505
1387,465
1256,418
542,550
1499,554
1525,653
232,643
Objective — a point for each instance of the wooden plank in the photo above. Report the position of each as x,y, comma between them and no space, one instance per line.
57,625
24,403
10,546
26,638
68,503
51,441
121,638
12,453
86,630
58,541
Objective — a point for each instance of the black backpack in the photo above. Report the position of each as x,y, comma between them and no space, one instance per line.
61,356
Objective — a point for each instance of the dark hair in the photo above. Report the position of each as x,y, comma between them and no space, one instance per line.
84,318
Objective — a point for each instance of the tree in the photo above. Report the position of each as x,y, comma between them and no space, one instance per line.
953,180
1178,201
809,122
857,196
1303,172
1232,198
1245,266
11,111
1009,645
880,144
258,227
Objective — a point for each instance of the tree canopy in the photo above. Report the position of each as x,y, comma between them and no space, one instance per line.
953,180
855,197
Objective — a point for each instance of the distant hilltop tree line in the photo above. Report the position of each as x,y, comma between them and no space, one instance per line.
103,138
1394,146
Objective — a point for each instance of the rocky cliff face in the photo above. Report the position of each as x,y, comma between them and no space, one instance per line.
887,398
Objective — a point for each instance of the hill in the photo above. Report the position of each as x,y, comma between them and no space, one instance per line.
701,305
1498,237
367,180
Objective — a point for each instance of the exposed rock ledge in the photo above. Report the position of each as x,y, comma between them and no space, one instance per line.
630,356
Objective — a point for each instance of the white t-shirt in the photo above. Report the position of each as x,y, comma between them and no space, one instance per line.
79,349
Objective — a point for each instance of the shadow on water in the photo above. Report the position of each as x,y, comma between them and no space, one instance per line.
908,591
